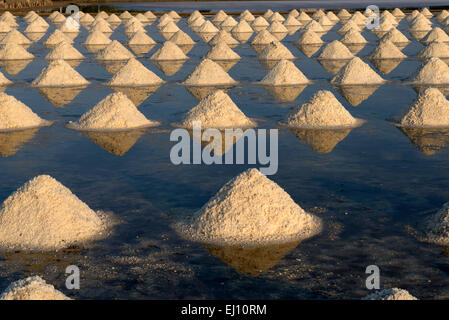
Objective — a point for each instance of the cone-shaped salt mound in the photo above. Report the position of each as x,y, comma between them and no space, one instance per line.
436,35
251,210
32,288
15,115
276,51
322,111
430,109
134,73
59,74
14,51
117,143
207,27
55,38
433,71
398,13
221,51
97,38
357,72
223,36
395,36
45,215
292,22
387,50
4,81
113,113
260,22
114,51
353,37
182,38
15,36
208,73
35,26
195,14
113,19
64,51
335,50
169,51
4,27
216,110
314,26
263,37
141,38
276,26
284,73
390,294
170,27
243,26
308,37
434,49
125,15
344,14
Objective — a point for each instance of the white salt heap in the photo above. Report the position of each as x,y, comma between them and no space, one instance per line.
70,25
303,17
35,26
353,37
284,73
150,15
125,15
45,215
277,27
357,72
32,288
434,49
433,71
197,23
387,50
208,73
229,22
221,51
113,19
263,37
348,26
398,13
97,38
308,37
216,110
163,20
86,19
101,26
390,294
322,111
59,74
276,51
343,14
115,112
436,35
335,50
260,22
292,22
64,51
430,109
114,51
169,51
207,27
251,210
219,17
181,38
14,51
314,26
134,73
137,26
56,37
247,16
242,27
15,115
15,36
395,36
174,15
4,27
141,38
170,27
276,17
223,36
195,14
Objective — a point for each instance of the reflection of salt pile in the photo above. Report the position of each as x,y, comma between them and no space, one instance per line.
221,51
12,141
387,50
431,109
284,73
45,215
335,50
117,143
15,115
433,71
208,73
64,51
428,140
115,112
216,110
32,288
59,97
59,74
357,72
390,294
356,94
251,210
114,51
321,140
207,27
276,51
134,73
434,49
55,38
13,51
97,38
169,51
322,111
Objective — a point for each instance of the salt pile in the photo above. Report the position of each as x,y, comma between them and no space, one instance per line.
420,25
442,16
268,14
64,51
115,112
332,17
114,51
59,74
141,38
343,14
426,12
348,26
45,215
309,38
318,14
263,37
86,19
208,73
247,16
174,15
353,37
56,37
436,35
181,38
390,294
284,73
397,13
197,23
15,115
395,36
229,23
326,22
125,15
276,51
219,17
207,27
303,17
70,25
260,22
357,72
223,36
251,210
277,27
430,109
170,27
322,111
32,288
314,26
15,36
216,110
3,80
14,51
97,38
221,51
292,22
387,50
4,27
195,14
335,50
113,19
169,51
435,49
134,73
276,16
150,15
102,15
433,71
101,26
137,26
36,26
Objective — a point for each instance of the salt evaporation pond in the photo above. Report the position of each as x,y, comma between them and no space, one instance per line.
370,188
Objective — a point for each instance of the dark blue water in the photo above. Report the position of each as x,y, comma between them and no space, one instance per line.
368,189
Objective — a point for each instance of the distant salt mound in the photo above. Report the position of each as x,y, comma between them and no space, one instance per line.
350,25
209,73
322,111
387,50
250,210
15,36
263,37
4,81
115,112
150,15
277,27
70,25
390,294
303,17
101,26
14,115
36,26
357,72
113,19
137,26
32,288
426,12
125,15
174,15
335,50
97,38
420,25
141,38
170,27
395,36
57,37
59,74
169,51
343,14
242,27
434,49
14,51
43,215
86,19
353,37
197,23
114,51
430,109
268,14
221,51
436,35
216,110
64,51
276,17
181,38
260,22
314,26
332,17
207,27
102,15
195,14
292,22
163,20
433,71
276,51
309,38
4,27
247,16
284,73
325,22
133,74
398,13
229,22
223,36
219,17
